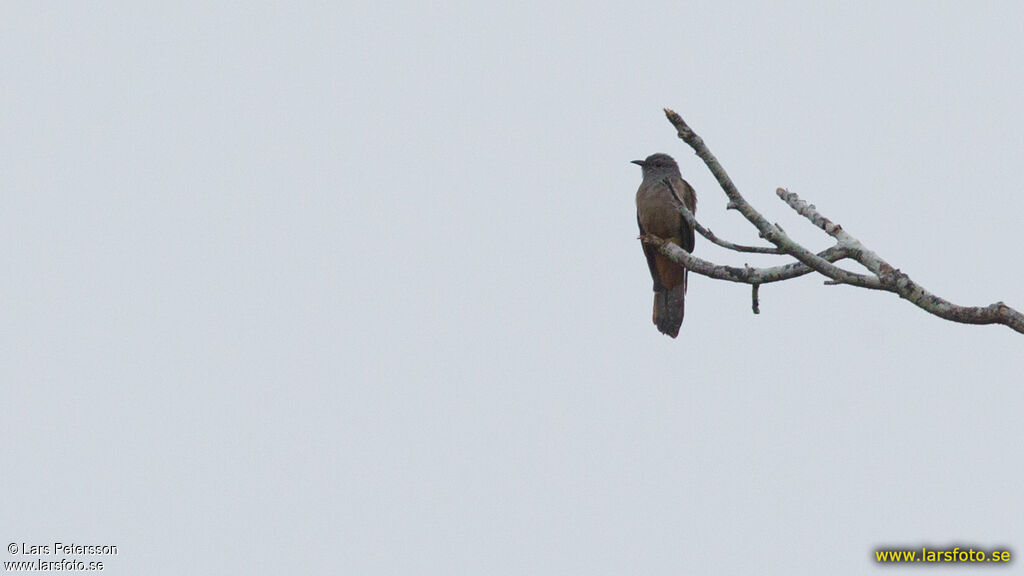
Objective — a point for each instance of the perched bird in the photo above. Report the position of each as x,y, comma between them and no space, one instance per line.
656,213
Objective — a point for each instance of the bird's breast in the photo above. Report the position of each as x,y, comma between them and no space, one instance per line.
656,210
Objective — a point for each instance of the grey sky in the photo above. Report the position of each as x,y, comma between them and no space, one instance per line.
355,288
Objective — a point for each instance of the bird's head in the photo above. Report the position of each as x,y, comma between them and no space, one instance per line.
658,165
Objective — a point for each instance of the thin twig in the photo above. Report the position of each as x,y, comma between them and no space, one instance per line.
705,232
858,251
747,275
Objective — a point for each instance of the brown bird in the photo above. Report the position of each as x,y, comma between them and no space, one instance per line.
656,213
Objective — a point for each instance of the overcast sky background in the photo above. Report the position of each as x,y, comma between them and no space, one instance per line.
355,288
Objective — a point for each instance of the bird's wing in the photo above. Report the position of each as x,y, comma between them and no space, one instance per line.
685,231
649,252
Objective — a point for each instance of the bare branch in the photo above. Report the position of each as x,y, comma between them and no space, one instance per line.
769,232
883,275
898,282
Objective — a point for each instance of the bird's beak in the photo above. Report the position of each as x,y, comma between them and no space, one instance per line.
637,162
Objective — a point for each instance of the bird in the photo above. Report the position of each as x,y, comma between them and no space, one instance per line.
657,214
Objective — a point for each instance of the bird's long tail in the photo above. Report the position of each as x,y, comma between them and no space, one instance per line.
669,308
